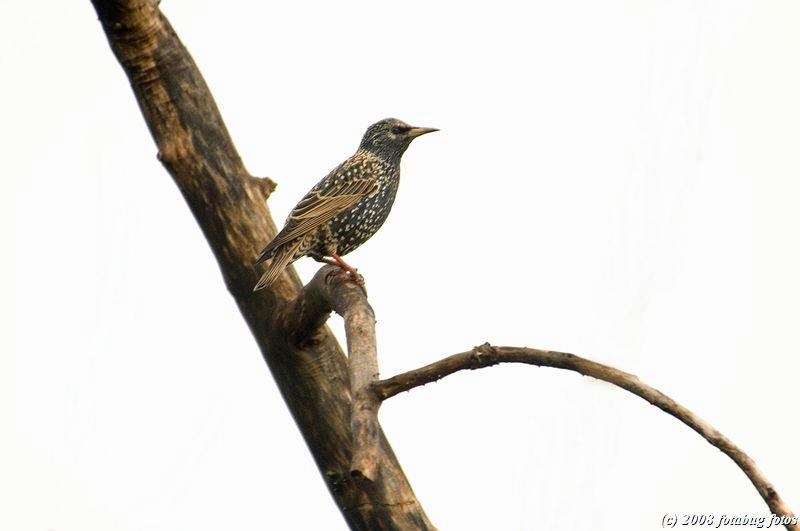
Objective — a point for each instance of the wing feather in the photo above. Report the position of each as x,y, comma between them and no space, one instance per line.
321,205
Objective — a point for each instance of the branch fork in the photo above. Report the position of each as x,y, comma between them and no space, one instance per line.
342,295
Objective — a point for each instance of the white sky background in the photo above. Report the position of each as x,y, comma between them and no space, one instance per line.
616,179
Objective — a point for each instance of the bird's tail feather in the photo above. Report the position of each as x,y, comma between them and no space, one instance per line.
280,260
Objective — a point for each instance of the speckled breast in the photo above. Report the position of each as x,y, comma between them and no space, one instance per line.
352,228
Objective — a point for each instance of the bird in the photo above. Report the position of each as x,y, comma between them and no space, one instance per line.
345,208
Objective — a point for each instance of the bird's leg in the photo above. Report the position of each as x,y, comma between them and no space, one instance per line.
327,261
338,262
347,267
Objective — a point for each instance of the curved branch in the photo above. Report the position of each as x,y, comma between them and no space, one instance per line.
487,355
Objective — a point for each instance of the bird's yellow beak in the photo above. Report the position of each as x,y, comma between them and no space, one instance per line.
414,132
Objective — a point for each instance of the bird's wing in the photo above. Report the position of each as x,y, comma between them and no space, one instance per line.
321,205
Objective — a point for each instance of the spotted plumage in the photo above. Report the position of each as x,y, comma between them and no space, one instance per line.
347,206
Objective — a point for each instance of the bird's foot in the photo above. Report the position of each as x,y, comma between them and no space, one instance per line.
355,277
352,272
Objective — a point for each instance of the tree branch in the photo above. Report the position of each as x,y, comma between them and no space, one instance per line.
229,205
487,355
332,289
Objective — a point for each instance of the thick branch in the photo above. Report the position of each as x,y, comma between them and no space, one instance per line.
287,323
230,208
487,355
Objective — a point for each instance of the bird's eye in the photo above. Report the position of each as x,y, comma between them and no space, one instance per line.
399,129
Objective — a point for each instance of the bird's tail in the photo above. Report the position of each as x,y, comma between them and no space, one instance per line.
282,258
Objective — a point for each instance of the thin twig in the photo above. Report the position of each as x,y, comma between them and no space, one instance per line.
487,355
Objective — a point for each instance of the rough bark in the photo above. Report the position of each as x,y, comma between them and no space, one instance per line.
230,206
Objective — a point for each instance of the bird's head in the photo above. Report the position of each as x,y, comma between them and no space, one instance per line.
390,138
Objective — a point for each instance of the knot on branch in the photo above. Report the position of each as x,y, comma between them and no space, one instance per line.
337,482
267,185
259,188
175,148
484,356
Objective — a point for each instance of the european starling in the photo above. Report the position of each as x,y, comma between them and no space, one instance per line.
346,207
